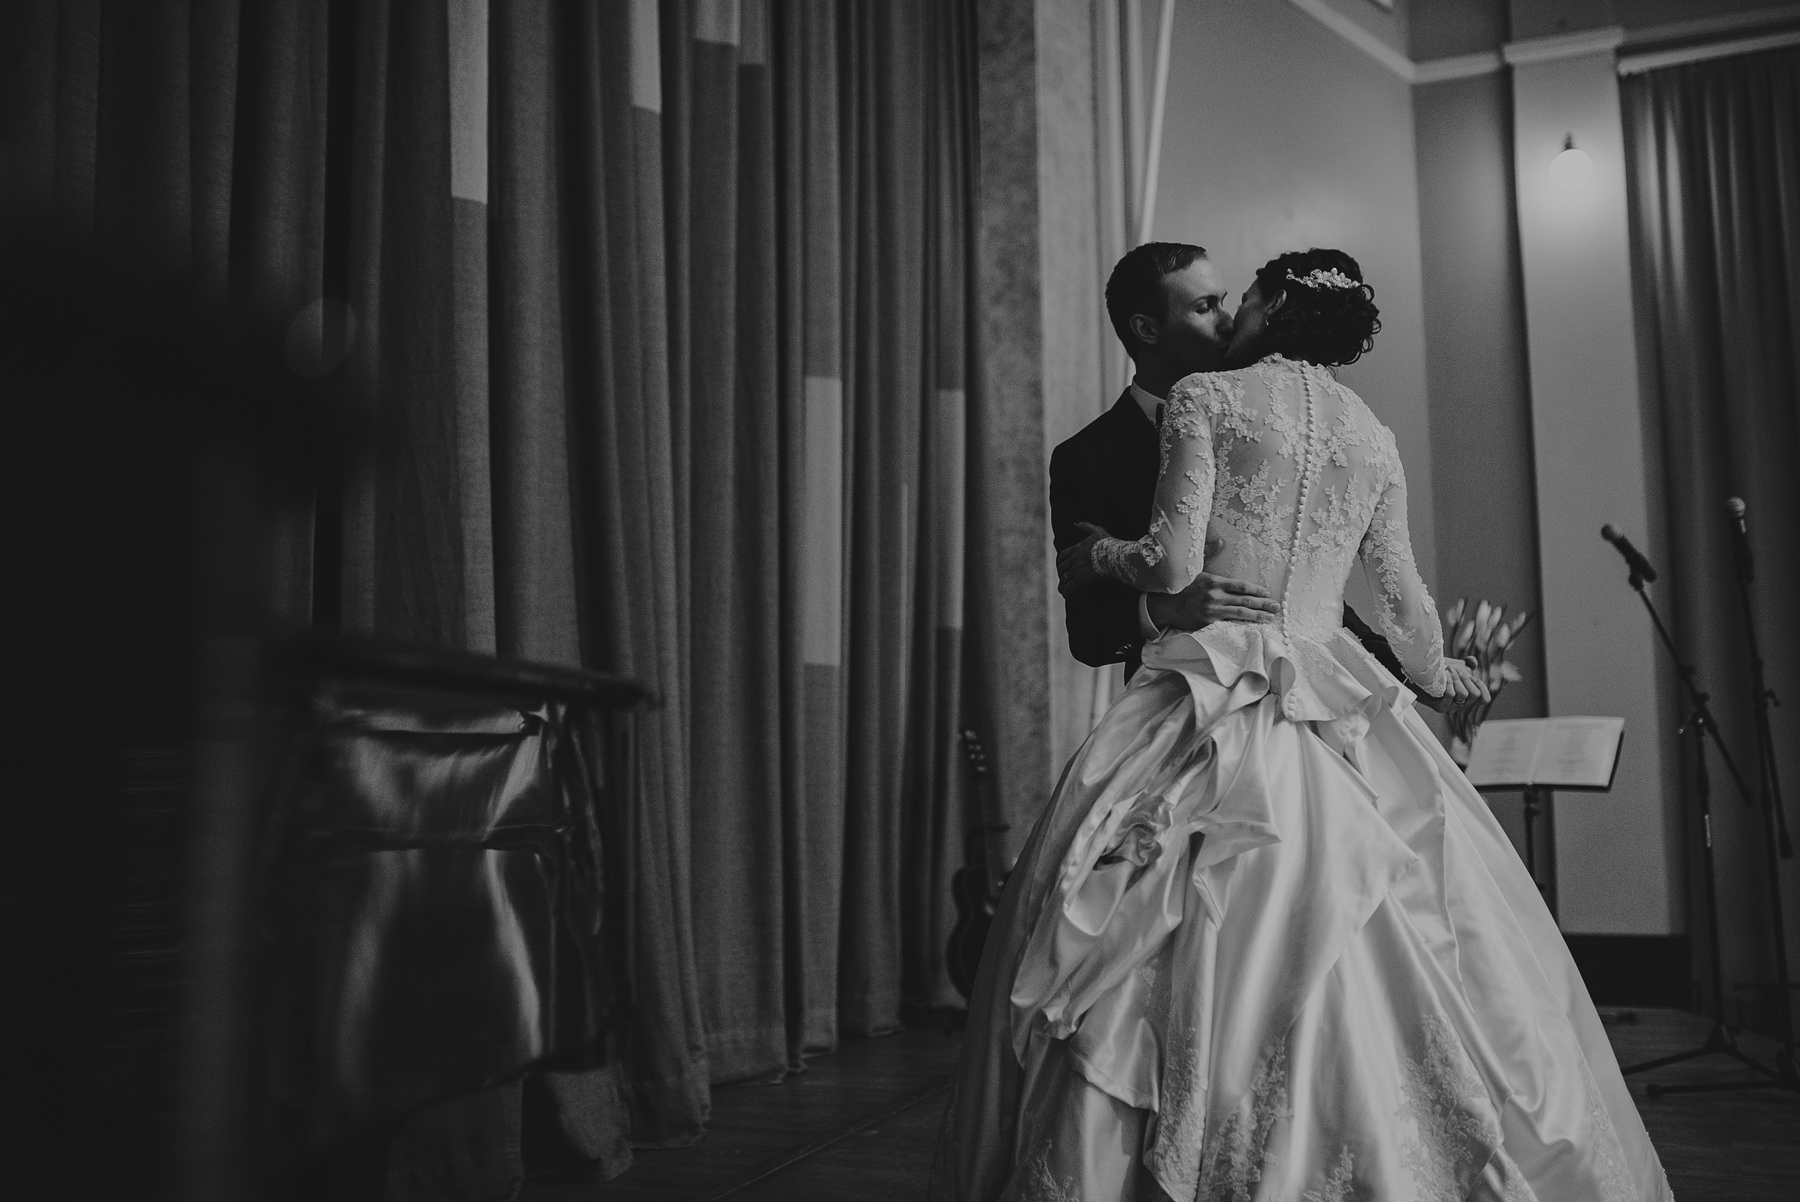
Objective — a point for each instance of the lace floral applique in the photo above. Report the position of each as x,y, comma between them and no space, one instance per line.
1387,549
1449,1104
1340,1183
1386,546
1346,431
1187,431
1196,507
1181,1118
1290,429
1235,1155
1345,509
1222,397
1615,1180
1043,1185
1120,558
1229,1164
1254,505
1184,416
1148,974
1231,463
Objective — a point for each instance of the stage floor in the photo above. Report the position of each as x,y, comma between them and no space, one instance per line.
860,1124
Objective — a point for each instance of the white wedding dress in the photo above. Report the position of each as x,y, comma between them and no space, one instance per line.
1266,944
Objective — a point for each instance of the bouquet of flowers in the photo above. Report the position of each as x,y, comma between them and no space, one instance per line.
1482,633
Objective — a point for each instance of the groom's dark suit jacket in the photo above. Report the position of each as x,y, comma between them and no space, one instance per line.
1106,474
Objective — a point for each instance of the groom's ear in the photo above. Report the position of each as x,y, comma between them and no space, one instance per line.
1144,328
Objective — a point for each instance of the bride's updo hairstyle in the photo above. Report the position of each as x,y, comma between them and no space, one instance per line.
1329,317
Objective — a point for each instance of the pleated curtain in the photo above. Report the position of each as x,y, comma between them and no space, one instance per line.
1714,156
657,316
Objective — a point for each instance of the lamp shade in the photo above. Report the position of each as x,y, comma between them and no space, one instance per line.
1571,166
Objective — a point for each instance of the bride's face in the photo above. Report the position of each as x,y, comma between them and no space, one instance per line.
1250,326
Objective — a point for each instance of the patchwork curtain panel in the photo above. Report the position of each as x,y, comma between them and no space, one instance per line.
656,317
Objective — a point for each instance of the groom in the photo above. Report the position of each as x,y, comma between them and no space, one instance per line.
1167,304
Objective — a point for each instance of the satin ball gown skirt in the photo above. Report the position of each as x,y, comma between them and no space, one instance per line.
1266,944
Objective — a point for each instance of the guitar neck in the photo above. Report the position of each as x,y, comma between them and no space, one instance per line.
988,807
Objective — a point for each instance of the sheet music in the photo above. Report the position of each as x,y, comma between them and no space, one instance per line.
1572,753
1578,752
1505,752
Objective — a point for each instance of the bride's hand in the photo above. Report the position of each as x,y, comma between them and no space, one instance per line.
1075,564
1463,690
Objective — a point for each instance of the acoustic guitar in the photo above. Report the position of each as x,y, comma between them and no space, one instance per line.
976,885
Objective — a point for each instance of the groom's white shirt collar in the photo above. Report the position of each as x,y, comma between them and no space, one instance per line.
1146,401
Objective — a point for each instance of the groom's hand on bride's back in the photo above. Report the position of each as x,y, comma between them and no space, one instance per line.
1212,599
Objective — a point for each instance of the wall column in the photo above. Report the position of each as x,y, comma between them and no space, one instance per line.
1617,854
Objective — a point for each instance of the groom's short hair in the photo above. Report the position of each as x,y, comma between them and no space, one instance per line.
1136,285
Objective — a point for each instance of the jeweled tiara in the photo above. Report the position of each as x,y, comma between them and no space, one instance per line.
1324,277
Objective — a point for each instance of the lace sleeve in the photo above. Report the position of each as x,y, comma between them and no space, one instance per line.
1167,559
1403,607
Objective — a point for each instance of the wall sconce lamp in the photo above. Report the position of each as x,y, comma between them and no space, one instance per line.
1571,166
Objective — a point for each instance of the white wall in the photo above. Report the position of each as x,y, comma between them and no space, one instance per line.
1280,137
1617,854
1478,375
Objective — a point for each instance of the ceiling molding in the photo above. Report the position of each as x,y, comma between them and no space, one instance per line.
1699,29
1644,49
1584,44
1353,33
1459,66
1651,60
1437,70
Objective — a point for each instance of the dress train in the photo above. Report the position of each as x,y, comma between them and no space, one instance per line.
1255,956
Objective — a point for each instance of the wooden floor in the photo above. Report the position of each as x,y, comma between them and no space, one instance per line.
1740,1146
860,1125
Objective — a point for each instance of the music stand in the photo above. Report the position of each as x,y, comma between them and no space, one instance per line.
1540,757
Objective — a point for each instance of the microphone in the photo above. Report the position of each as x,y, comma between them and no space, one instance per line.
1735,507
1633,557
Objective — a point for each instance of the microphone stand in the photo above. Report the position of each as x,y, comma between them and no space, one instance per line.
1720,1040
1775,832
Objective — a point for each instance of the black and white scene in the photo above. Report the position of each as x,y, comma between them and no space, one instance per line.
901,600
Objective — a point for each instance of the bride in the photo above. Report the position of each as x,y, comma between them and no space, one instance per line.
1266,943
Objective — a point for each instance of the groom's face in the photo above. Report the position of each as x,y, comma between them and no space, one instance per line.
1197,328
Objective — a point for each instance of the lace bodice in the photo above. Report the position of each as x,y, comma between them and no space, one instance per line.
1280,475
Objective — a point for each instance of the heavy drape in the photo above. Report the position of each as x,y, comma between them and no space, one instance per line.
1714,151
734,254
658,315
